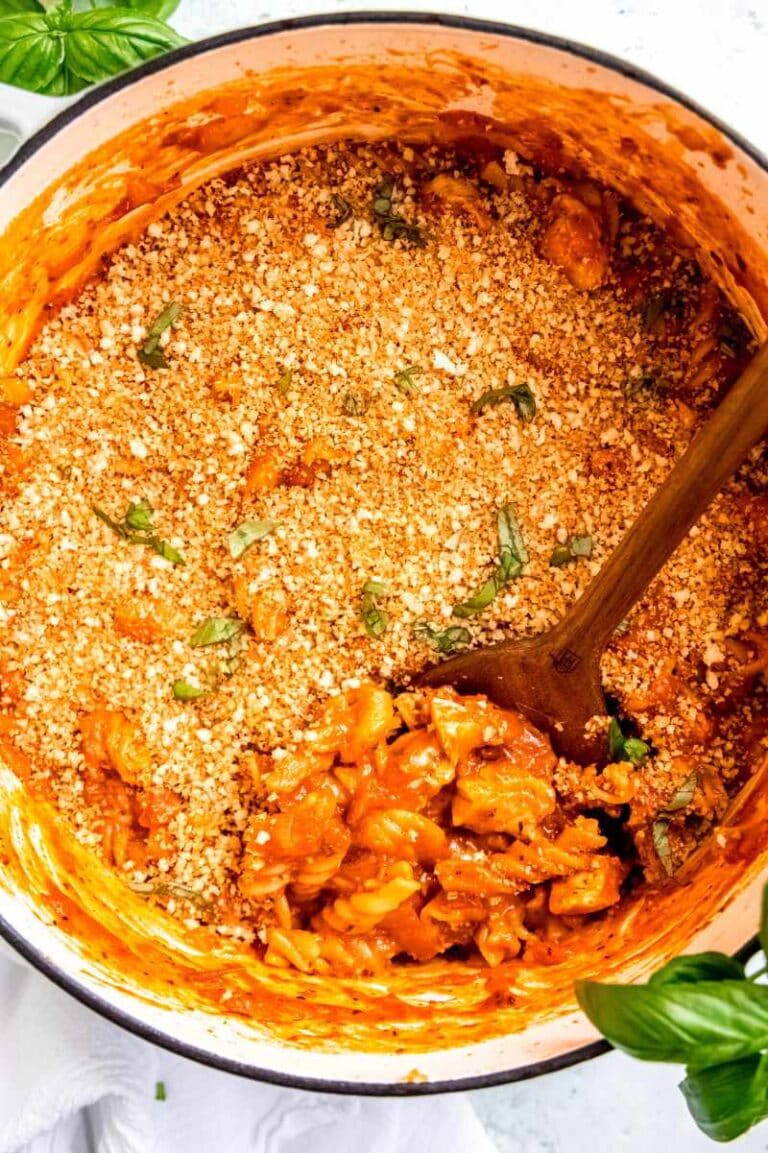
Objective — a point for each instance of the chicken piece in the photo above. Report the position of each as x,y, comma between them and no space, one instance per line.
573,240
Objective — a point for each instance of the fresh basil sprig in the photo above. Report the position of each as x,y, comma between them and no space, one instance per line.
61,50
704,1012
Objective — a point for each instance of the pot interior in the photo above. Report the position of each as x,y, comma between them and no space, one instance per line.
96,179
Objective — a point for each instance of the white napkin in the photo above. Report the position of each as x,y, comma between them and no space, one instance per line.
71,1082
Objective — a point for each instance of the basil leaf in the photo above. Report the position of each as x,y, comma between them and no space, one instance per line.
59,51
581,545
404,379
374,619
160,1094
763,930
684,795
343,210
160,9
356,403
392,225
727,1100
151,354
247,534
30,56
163,549
660,837
442,640
512,556
11,7
104,43
215,631
574,546
698,967
698,1025
184,691
621,748
519,394
139,515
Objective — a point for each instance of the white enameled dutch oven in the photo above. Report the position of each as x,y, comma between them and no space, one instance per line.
95,176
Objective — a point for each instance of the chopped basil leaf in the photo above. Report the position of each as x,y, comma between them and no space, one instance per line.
519,394
184,691
160,1091
574,546
442,640
660,835
392,225
374,619
171,889
165,550
512,556
139,516
561,555
284,381
343,210
215,631
404,379
621,748
247,534
356,403
150,353
135,528
646,386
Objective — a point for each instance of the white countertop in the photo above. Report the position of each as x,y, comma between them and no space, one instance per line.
715,51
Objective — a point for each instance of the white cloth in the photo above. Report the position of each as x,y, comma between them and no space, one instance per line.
71,1082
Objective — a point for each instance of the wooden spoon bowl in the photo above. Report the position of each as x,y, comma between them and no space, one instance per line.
554,679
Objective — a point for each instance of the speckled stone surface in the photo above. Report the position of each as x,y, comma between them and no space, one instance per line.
716,51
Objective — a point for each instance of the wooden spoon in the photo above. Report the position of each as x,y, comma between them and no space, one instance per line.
554,679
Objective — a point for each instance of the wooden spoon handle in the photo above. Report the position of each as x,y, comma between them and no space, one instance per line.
713,456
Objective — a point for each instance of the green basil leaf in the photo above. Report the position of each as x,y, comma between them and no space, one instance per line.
215,631
727,1100
163,549
404,381
160,9
519,394
160,1094
763,930
481,599
698,967
247,534
660,837
442,640
106,42
184,691
343,210
139,516
621,748
392,225
31,56
11,7
512,556
374,619
684,795
698,1025
580,545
